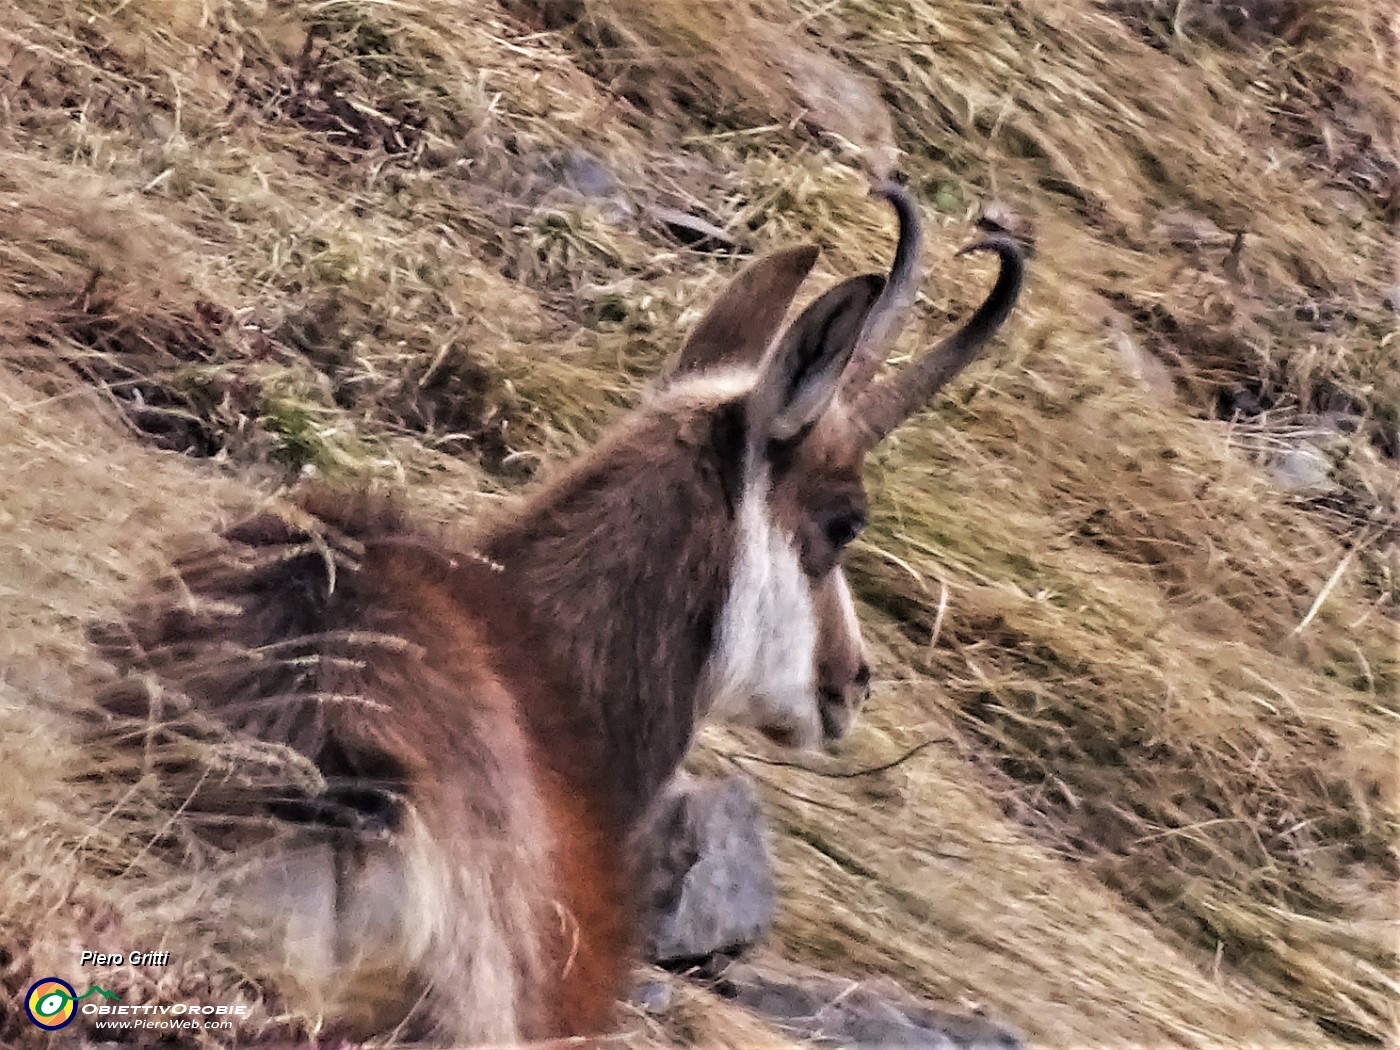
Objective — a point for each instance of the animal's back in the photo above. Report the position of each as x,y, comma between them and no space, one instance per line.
415,885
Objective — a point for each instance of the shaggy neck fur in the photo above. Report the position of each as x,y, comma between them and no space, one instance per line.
621,570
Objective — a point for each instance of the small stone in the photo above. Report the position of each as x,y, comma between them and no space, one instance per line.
588,176
834,1011
1303,467
573,176
706,871
653,997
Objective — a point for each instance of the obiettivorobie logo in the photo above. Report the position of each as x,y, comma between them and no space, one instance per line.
52,1004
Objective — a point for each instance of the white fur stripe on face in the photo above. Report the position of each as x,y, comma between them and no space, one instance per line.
761,670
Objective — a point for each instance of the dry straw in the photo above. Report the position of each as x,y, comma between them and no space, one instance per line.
411,241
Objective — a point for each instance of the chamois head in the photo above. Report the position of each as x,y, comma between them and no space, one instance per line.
805,408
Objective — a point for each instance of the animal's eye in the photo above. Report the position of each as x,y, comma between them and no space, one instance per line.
843,526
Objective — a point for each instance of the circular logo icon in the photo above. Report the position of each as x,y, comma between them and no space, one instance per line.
50,1003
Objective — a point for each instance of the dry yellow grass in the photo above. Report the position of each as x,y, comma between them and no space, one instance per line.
1159,807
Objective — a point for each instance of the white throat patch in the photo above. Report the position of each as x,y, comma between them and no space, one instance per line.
761,671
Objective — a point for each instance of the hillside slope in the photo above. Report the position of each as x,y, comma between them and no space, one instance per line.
1133,579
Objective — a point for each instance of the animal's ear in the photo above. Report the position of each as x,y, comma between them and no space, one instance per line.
802,373
743,321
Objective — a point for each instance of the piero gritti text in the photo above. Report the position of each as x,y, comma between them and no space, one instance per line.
127,959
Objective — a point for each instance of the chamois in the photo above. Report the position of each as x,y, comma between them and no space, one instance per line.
491,719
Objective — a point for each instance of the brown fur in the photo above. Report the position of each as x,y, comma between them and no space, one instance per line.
491,721
422,634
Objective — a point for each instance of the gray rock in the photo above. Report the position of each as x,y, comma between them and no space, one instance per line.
588,176
653,997
706,871
833,1011
573,177
706,875
1302,468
